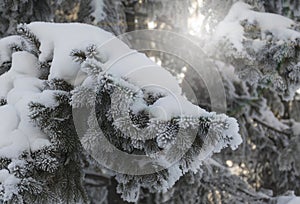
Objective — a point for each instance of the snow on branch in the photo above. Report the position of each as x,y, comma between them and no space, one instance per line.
137,104
262,46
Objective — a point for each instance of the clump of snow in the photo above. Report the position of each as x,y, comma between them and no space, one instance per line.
288,199
267,116
10,182
19,86
228,71
99,14
175,173
232,29
8,120
122,61
25,63
232,132
5,51
23,87
3,175
143,72
296,128
39,143
173,106
12,140
53,44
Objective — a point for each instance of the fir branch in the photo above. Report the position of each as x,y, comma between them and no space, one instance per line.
4,162
44,68
3,102
78,55
16,47
31,38
5,67
59,84
271,128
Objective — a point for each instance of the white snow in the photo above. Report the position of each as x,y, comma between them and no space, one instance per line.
231,28
24,63
228,71
5,51
172,106
122,61
10,182
232,131
39,143
143,72
98,13
60,39
288,200
296,128
9,119
20,85
267,116
6,83
3,175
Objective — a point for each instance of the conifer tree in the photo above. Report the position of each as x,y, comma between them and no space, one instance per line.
50,155
52,165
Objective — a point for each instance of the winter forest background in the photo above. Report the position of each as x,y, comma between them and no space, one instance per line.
241,146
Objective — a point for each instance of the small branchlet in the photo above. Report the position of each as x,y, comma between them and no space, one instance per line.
78,55
5,67
30,37
3,102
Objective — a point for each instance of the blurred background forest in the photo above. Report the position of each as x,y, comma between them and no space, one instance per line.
267,164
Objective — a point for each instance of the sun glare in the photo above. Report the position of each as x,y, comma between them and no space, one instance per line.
196,19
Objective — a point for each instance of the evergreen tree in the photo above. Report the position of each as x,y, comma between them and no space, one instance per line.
126,117
48,156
